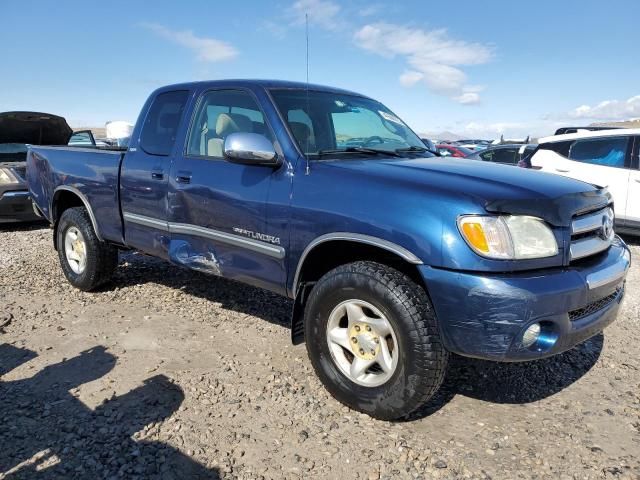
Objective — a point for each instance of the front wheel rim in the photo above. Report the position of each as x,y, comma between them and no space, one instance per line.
75,249
362,343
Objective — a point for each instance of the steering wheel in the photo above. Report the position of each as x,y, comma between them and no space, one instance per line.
370,141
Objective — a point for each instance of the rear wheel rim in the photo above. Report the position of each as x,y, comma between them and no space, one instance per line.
75,249
362,343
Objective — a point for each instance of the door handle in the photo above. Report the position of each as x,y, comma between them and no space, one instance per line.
562,170
157,175
183,177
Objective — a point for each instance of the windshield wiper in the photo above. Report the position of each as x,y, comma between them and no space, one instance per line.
376,151
413,148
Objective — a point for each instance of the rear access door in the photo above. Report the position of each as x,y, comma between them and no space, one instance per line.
145,174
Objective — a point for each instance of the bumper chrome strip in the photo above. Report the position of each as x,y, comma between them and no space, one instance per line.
608,275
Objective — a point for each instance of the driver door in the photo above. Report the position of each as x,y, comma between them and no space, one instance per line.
217,209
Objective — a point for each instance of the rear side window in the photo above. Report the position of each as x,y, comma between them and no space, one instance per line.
161,124
500,155
608,152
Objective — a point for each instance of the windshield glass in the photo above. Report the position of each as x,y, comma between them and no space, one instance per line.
13,148
325,122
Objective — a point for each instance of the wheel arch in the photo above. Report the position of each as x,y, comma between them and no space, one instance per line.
330,251
66,197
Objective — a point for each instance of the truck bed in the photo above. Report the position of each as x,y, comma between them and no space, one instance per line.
90,173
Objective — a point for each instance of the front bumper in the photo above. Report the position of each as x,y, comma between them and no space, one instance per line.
15,205
484,315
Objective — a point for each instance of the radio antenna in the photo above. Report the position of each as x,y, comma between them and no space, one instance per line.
306,25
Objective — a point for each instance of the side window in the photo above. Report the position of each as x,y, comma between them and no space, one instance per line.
161,125
505,155
219,114
487,156
81,138
608,152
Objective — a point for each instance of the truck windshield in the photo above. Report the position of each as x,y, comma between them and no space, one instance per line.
330,124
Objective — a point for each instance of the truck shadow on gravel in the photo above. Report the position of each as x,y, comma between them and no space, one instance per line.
506,383
514,383
138,269
46,432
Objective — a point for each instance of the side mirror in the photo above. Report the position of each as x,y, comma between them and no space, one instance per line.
250,149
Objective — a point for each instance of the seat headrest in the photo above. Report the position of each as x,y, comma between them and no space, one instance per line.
302,133
231,123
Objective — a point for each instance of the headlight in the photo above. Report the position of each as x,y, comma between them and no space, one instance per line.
509,237
6,177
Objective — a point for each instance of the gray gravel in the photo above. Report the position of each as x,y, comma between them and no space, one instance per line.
170,374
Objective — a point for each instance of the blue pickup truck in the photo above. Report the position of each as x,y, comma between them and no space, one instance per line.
394,257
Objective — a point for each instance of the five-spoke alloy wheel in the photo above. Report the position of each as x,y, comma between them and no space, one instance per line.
373,339
86,261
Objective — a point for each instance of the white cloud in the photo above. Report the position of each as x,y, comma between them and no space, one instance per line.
468,98
609,110
432,57
206,49
323,13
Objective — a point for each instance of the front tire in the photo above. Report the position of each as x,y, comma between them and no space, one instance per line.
86,262
373,340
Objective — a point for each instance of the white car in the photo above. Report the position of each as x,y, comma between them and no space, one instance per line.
608,158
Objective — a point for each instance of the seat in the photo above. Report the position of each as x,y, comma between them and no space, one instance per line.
303,136
226,124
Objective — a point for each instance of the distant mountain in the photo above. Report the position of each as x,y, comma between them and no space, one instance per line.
442,136
634,123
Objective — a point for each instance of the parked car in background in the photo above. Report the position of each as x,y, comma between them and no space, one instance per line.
608,158
17,131
475,145
566,130
429,144
447,150
509,154
278,184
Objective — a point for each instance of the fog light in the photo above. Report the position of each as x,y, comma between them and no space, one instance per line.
531,335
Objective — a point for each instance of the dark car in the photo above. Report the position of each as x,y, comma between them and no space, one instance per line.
17,131
453,151
567,130
510,154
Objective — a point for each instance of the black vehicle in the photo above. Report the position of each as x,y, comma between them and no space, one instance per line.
566,130
509,154
17,131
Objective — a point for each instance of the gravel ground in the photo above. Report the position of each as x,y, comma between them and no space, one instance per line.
171,374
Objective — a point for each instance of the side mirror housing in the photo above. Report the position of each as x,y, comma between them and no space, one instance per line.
250,149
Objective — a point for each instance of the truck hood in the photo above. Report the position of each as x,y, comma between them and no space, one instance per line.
497,188
34,128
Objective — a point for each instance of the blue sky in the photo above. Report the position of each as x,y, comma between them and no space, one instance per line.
475,68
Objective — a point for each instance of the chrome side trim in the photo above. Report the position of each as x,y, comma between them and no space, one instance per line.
84,200
146,221
611,274
587,223
216,235
354,237
588,246
230,239
16,194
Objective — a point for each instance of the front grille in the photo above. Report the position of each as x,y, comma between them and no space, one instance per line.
593,307
591,233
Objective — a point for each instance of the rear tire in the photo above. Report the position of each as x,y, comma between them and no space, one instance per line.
345,320
86,262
